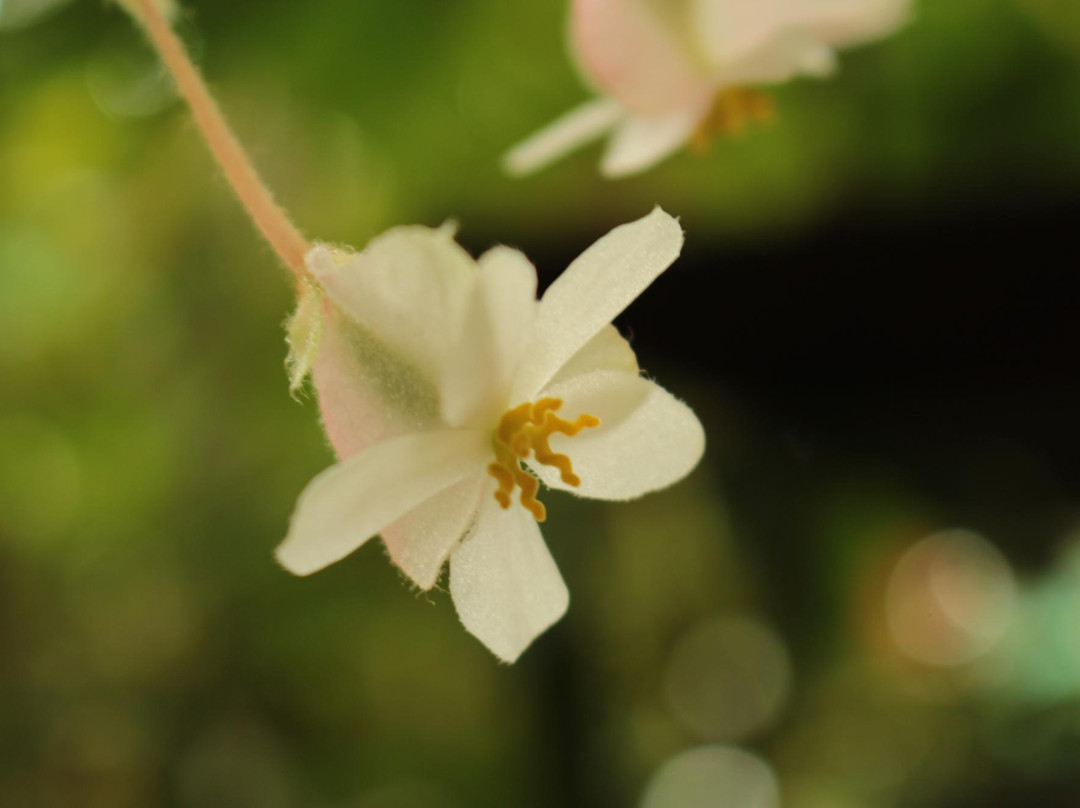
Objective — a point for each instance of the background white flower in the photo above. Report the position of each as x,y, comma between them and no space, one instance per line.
438,375
670,72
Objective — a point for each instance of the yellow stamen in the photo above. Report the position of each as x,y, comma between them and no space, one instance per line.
733,110
527,429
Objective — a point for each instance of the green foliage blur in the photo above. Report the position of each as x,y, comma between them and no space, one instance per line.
152,653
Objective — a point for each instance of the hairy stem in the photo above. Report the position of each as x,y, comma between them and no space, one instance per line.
271,220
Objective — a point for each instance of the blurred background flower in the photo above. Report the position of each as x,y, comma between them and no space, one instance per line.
867,594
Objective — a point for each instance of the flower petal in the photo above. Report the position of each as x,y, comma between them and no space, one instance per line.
349,503
606,351
854,22
408,288
420,541
647,439
497,324
640,143
562,136
367,392
791,52
766,31
592,291
504,582
626,48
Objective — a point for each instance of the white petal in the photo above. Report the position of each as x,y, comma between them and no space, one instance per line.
504,582
606,351
497,323
792,52
627,49
818,61
567,133
640,143
421,540
647,439
854,22
367,393
408,288
734,30
349,503
592,291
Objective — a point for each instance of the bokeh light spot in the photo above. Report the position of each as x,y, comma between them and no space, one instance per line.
127,83
20,13
728,678
950,598
713,777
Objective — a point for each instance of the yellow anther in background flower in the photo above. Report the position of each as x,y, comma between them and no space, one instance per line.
733,110
527,429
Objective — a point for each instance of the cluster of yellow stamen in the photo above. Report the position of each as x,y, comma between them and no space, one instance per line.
732,112
526,429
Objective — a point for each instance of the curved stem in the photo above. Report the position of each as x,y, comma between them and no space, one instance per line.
256,198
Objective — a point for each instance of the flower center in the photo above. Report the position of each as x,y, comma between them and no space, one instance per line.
733,110
524,429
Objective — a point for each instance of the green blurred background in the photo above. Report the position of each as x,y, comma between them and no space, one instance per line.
866,597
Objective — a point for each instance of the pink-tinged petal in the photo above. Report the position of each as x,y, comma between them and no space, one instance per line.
420,541
640,143
504,582
627,51
576,128
647,439
367,393
349,503
592,291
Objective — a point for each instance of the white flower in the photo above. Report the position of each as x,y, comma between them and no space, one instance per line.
440,376
675,71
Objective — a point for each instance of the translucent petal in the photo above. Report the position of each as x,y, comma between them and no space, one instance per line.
606,351
626,49
504,582
854,22
565,134
647,439
349,503
592,291
497,323
367,392
408,288
734,30
640,143
790,53
420,541
818,61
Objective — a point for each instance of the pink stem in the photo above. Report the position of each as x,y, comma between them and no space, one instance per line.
271,220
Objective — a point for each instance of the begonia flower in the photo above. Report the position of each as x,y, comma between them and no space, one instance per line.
672,72
447,389
449,393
